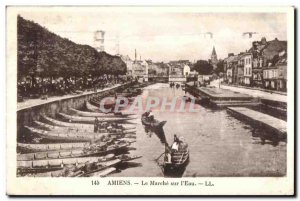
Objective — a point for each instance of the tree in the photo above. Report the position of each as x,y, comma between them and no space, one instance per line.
220,67
43,53
203,67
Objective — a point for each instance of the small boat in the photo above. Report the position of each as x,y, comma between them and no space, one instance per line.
68,124
106,104
91,120
126,157
154,123
47,126
76,127
58,137
55,163
102,173
99,115
91,107
75,153
65,137
32,148
80,132
100,167
178,163
72,166
92,150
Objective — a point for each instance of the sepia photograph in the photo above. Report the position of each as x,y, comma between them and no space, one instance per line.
116,95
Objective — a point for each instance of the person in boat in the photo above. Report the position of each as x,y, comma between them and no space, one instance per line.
150,115
175,144
182,146
168,153
145,114
96,124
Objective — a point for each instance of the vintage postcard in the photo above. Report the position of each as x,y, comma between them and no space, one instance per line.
105,100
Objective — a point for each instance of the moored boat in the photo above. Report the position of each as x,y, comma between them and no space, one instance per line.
91,120
75,127
79,132
102,173
31,148
97,114
96,150
68,124
55,163
91,108
65,137
67,167
126,157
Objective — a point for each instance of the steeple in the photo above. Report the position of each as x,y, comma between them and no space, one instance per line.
214,52
214,58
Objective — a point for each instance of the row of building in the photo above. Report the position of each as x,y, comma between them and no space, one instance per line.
144,69
264,65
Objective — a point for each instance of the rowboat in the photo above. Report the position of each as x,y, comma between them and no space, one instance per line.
63,128
31,148
154,123
126,157
66,126
79,170
91,120
99,115
99,168
77,137
47,126
91,107
102,173
128,140
79,132
106,105
64,137
58,163
178,163
98,150
124,94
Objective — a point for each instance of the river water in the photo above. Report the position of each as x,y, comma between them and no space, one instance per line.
219,144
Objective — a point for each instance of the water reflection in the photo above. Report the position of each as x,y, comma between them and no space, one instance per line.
159,132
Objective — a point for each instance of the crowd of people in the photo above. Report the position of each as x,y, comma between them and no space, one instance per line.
42,88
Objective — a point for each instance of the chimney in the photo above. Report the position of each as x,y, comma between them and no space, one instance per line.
134,54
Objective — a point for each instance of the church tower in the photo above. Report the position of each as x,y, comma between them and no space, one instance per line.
214,58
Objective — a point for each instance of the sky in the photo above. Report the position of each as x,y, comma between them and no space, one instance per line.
162,36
